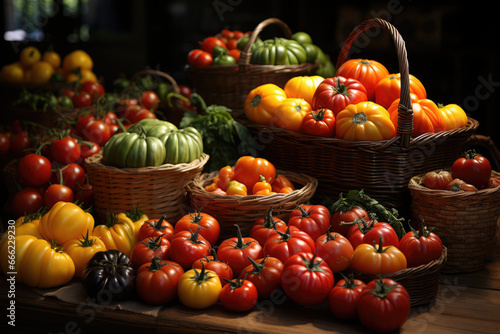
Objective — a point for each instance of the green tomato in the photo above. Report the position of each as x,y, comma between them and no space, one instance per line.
219,51
152,126
182,146
302,37
279,51
224,60
311,52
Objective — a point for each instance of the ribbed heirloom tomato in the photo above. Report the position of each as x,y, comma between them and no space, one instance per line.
187,247
319,123
283,245
343,219
312,219
437,180
264,226
222,269
367,232
156,227
209,226
290,114
238,295
145,250
338,92
303,87
262,102
376,259
421,247
389,89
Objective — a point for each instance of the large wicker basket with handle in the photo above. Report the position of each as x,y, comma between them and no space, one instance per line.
159,191
229,85
382,168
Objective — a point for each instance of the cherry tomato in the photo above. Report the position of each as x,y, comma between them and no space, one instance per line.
239,295
93,88
472,169
97,132
65,150
69,93
150,100
222,269
82,100
84,194
19,144
83,122
265,274
312,219
34,170
344,296
145,250
88,149
72,175
4,143
236,251
26,201
57,193
156,227
210,228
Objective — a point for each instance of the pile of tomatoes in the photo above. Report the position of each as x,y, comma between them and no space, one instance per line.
359,103
221,49
469,173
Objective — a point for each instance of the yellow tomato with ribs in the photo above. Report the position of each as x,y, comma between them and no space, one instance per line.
262,102
290,114
364,121
116,234
82,249
303,87
456,116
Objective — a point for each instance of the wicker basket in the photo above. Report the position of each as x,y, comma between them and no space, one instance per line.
245,210
466,222
421,282
229,85
156,190
382,168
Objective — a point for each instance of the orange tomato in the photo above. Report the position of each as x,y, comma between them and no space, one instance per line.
456,116
40,72
364,121
248,171
368,72
389,89
262,101
303,87
53,58
290,114
77,59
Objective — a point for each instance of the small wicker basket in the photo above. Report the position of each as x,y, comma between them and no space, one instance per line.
465,221
156,190
229,85
245,210
421,282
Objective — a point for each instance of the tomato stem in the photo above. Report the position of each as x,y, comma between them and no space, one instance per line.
156,264
86,241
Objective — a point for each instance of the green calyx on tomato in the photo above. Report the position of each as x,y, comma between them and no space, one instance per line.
349,281
382,290
258,266
235,284
201,276
156,264
194,236
423,231
86,241
153,243
312,265
380,247
240,244
157,224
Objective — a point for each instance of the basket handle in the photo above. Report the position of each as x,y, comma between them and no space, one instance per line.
405,109
246,54
157,73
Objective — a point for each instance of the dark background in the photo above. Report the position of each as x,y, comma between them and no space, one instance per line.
452,48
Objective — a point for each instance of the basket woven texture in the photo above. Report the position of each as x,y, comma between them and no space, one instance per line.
229,85
245,210
156,190
421,282
382,168
465,221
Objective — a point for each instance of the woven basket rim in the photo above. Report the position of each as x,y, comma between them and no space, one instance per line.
95,161
416,181
196,187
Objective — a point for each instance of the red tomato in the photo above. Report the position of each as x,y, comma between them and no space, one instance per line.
420,247
156,281
209,226
87,149
460,185
71,175
153,228
472,169
69,93
187,247
192,56
493,182
145,250
337,92
95,89
150,100
122,105
367,233
26,201
83,122
264,226
283,245
307,279
222,269
239,295
84,194
312,219
134,115
209,43
203,59
82,100
344,297
319,123
19,144
4,143
34,170
232,44
335,249
235,53
384,305
97,132
57,193
341,221
65,150
236,251
437,180
265,274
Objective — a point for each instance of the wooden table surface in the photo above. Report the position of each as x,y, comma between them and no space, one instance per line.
466,303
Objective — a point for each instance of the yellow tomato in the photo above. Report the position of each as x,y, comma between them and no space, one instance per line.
81,250
376,259
53,58
29,56
65,221
45,265
303,87
85,75
364,121
116,235
262,101
40,72
25,225
77,59
11,254
456,116
12,73
135,218
199,289
290,113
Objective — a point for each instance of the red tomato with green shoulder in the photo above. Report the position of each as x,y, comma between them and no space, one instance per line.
222,269
156,281
284,245
209,226
187,247
421,247
368,233
473,169
236,251
265,274
307,279
384,305
238,295
343,219
145,250
312,219
343,298
335,249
